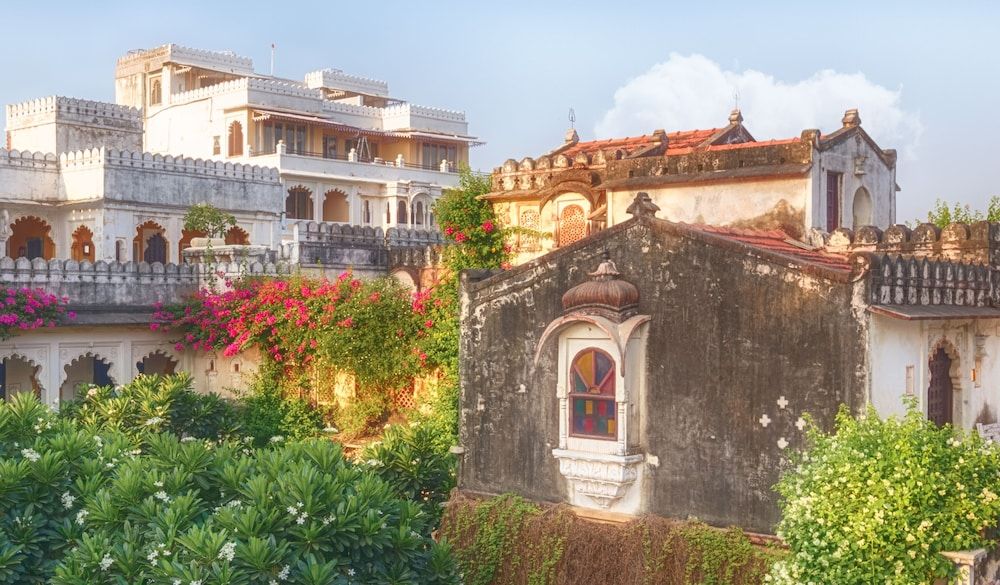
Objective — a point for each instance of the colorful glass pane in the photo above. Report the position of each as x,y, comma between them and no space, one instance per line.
592,395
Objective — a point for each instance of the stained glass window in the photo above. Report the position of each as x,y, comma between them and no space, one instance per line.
593,411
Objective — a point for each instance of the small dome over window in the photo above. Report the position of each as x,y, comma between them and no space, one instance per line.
605,293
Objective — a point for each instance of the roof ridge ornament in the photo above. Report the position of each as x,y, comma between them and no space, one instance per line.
642,207
606,270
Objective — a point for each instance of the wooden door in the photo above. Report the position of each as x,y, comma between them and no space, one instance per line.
940,393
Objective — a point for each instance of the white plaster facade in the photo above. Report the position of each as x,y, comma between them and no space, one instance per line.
52,362
900,354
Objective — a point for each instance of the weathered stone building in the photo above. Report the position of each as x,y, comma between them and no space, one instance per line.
663,367
719,176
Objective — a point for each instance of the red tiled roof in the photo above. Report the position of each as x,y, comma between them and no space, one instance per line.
690,138
627,144
779,243
671,150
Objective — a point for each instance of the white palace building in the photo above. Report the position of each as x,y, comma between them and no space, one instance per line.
326,173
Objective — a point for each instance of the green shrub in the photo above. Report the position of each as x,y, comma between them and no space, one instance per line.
877,501
266,414
154,404
79,507
416,463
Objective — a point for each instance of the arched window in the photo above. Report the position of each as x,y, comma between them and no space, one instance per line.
572,225
83,244
119,250
299,204
593,411
367,208
236,139
155,92
237,236
31,238
149,245
335,207
418,213
401,213
862,208
388,212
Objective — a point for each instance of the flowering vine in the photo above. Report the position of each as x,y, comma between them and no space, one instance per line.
24,309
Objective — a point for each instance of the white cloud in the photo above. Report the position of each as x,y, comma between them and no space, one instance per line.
689,92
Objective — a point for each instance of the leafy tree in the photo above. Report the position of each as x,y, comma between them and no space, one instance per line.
942,214
209,220
879,500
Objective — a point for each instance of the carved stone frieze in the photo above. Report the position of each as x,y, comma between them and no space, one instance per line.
603,479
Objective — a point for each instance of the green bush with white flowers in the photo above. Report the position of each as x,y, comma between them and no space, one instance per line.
91,504
879,500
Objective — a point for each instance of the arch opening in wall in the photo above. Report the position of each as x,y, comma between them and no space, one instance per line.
237,236
157,363
299,203
83,244
406,279
31,238
366,212
944,385
862,208
84,371
19,375
155,92
149,244
335,207
420,210
235,139
401,217
572,225
185,242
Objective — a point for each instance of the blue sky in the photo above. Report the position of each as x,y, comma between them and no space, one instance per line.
929,72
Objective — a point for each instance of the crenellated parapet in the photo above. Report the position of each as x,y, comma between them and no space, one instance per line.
27,159
124,284
336,79
137,61
977,242
66,107
927,265
336,234
146,161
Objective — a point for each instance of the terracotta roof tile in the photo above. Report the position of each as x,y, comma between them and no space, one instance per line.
628,144
778,242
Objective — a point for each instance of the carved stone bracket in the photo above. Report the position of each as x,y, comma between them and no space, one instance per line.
604,479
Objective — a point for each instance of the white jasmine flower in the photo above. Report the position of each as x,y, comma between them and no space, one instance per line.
162,496
67,500
152,555
153,421
158,484
106,562
30,455
228,551
350,572
285,571
81,517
